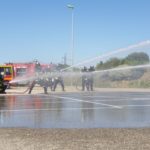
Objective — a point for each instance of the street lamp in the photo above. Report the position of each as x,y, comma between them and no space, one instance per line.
71,7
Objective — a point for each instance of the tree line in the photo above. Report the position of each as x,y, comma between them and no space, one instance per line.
136,58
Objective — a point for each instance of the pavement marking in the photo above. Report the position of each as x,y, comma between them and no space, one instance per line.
99,96
134,106
123,99
148,98
80,100
117,97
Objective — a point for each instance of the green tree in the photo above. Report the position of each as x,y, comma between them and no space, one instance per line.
62,66
99,66
137,58
111,63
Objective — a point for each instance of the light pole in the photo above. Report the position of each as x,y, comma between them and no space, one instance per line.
71,7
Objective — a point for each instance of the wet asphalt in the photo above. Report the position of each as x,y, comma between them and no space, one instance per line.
76,110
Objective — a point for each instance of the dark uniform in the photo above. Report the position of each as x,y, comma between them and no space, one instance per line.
87,78
58,80
42,82
84,79
90,77
2,85
51,82
31,86
38,67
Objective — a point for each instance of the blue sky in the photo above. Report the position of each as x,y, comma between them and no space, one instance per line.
41,29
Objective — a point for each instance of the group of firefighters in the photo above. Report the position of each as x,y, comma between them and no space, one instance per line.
52,82
47,81
87,78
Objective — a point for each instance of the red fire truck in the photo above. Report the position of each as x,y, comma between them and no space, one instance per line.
16,70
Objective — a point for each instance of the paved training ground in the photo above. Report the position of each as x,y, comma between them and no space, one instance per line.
76,110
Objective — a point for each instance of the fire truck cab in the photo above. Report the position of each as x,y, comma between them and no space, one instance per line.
7,72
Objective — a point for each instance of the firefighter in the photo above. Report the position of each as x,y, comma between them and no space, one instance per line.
84,79
31,86
37,67
2,85
42,82
90,77
87,78
50,79
56,81
51,82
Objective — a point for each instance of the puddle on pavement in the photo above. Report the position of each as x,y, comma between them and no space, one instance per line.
40,111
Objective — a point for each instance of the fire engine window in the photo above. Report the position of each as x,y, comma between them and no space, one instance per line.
7,71
21,71
1,70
